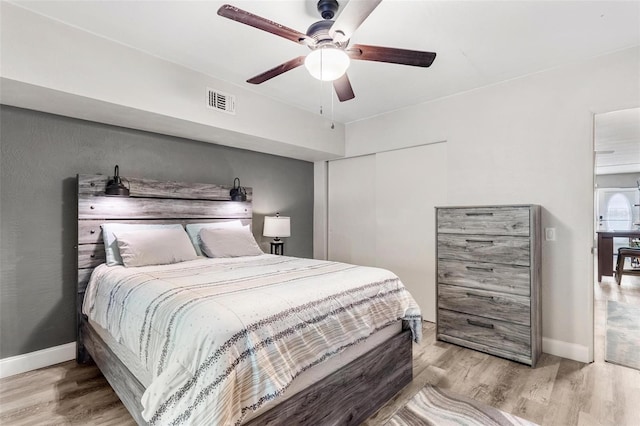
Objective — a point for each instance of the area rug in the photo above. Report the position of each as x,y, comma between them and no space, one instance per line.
433,406
622,344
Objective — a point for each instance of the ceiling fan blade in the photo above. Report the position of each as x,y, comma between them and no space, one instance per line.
392,55
276,71
343,88
351,17
247,18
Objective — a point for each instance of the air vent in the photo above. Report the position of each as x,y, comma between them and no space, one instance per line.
221,101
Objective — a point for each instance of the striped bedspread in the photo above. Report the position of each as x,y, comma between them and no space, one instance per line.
222,337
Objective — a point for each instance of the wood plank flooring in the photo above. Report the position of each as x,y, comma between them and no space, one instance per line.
557,392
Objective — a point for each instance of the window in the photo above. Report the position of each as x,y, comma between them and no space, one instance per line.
619,210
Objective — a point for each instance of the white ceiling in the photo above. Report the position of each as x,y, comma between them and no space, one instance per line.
617,142
478,43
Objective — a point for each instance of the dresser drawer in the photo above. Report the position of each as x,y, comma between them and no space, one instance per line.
489,304
485,248
501,335
484,220
487,276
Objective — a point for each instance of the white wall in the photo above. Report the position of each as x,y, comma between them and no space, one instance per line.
52,67
528,140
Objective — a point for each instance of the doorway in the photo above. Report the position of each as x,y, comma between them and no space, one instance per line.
616,211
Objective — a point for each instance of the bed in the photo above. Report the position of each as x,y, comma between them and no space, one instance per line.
358,373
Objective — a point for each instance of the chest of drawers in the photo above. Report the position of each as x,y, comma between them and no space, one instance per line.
488,279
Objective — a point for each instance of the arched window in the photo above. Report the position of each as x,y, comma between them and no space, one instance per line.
619,210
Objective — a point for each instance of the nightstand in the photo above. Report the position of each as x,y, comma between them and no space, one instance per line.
277,247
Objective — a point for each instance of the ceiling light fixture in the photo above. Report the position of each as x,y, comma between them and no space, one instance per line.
327,63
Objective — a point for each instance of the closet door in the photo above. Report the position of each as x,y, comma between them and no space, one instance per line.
410,183
381,212
351,216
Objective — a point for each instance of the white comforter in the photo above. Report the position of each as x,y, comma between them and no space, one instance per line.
223,336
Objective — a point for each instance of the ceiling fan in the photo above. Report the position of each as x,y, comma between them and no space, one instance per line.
329,43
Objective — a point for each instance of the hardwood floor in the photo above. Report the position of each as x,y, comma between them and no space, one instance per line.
557,392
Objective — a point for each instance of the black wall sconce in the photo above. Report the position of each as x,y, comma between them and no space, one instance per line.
238,193
115,187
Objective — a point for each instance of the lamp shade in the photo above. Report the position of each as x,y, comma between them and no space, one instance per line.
277,226
327,63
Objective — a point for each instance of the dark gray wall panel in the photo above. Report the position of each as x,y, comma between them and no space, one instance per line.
40,155
622,180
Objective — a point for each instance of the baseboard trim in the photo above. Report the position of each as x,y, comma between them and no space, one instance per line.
566,350
38,359
57,354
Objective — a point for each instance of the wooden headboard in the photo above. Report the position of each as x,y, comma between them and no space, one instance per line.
150,201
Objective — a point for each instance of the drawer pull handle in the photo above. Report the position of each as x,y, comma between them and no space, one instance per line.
479,268
480,241
479,214
479,296
479,324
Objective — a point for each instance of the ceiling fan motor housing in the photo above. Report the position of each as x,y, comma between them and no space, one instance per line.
327,8
319,31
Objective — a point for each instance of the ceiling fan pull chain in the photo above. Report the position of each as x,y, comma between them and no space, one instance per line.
331,94
321,97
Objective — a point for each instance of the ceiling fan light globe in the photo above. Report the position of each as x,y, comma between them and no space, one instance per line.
327,64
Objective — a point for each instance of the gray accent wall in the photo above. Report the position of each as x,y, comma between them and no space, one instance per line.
40,156
622,180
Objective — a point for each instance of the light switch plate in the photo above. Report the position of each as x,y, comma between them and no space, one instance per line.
550,234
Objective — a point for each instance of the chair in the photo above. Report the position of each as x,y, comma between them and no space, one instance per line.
631,253
635,243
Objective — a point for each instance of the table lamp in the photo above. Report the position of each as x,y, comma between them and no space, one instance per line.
277,226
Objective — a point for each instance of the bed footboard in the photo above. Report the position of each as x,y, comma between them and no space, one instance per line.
346,397
351,394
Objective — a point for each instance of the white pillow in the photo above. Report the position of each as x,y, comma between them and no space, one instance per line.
154,247
110,245
193,229
228,242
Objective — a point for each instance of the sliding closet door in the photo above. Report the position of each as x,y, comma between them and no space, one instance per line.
381,213
351,216
409,184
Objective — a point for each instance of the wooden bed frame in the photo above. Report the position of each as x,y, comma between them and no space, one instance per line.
348,396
